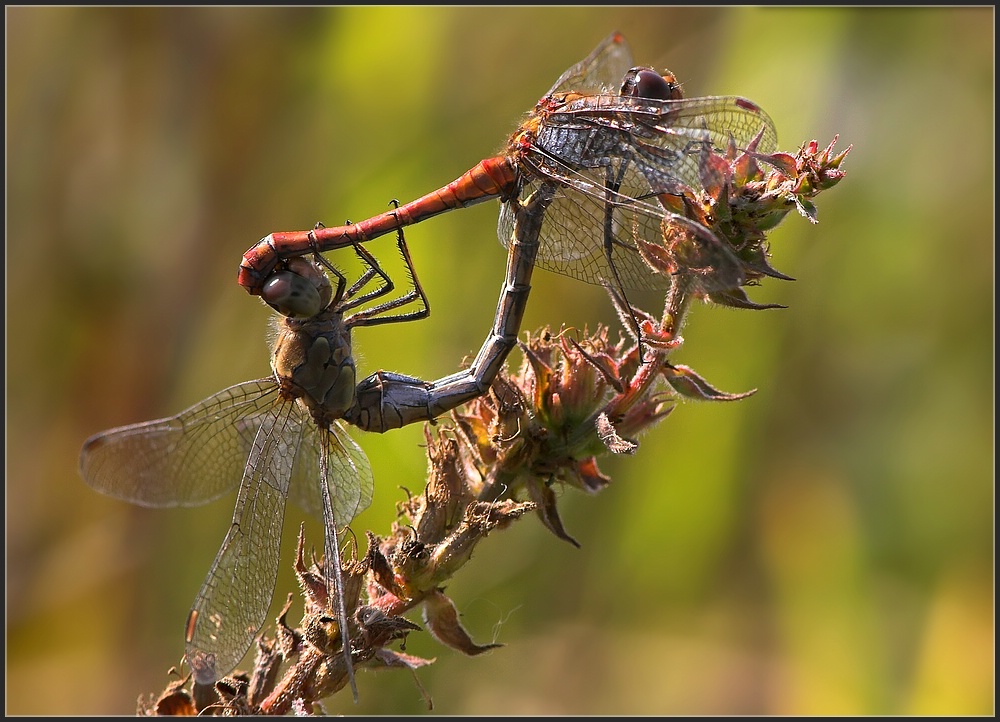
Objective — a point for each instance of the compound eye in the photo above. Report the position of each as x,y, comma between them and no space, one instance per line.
646,83
292,295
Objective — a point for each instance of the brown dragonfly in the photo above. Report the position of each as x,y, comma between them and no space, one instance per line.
283,436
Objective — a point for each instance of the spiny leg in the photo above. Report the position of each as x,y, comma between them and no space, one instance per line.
373,269
374,316
321,260
348,298
611,191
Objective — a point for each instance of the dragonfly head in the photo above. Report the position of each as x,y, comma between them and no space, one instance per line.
649,84
300,290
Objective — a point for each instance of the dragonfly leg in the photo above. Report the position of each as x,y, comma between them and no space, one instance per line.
373,268
387,400
612,186
377,314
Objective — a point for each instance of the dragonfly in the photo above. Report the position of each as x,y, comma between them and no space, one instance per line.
277,437
620,143
284,436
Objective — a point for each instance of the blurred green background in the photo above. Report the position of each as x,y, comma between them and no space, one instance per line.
823,547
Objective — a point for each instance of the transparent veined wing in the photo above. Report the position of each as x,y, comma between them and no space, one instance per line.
184,460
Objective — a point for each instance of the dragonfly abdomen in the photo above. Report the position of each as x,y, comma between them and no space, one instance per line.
312,361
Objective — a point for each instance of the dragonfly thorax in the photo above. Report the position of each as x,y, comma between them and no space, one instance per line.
524,137
312,362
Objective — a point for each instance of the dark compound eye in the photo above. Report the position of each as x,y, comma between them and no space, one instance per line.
646,83
292,295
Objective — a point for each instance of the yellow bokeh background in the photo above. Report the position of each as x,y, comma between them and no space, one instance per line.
822,547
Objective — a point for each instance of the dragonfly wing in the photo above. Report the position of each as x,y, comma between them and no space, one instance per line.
350,475
572,238
346,487
694,248
718,116
183,460
671,143
233,602
303,491
333,480
350,478
671,137
600,72
722,116
610,158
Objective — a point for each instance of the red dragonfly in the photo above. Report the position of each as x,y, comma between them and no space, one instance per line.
618,142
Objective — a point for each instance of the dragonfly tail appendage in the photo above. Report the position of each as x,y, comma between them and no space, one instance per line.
388,401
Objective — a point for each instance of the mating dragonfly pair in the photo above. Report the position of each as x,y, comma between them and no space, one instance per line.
594,168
